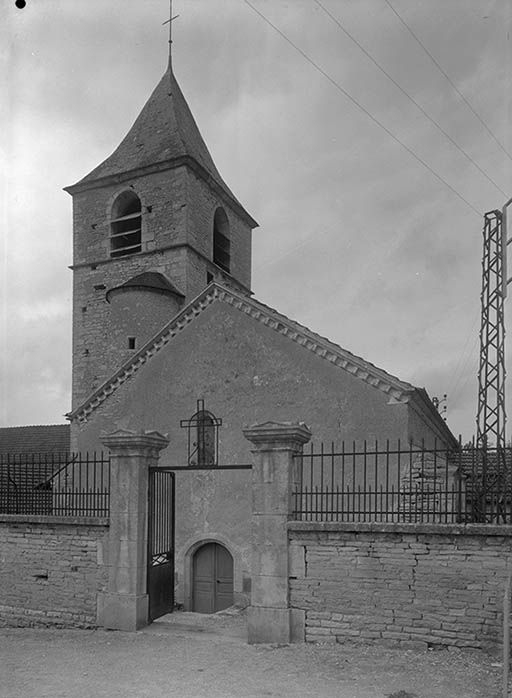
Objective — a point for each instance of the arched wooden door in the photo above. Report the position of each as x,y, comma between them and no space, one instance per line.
212,579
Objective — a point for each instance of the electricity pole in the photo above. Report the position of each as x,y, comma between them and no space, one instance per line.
491,415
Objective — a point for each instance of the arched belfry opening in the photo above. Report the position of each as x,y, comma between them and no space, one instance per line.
221,240
125,225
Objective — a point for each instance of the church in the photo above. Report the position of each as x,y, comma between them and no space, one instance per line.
168,336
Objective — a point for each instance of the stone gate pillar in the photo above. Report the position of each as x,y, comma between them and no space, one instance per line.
274,474
125,604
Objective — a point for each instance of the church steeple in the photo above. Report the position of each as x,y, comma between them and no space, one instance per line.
156,205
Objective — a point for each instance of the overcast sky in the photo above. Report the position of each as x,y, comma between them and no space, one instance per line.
358,240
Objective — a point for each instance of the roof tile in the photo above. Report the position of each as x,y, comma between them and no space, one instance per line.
44,438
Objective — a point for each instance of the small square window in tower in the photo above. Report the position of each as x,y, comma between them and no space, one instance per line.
125,225
221,242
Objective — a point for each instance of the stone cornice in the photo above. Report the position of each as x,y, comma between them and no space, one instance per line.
229,279
429,529
125,442
45,519
396,390
277,435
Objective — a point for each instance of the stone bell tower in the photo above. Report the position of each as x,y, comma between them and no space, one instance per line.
152,226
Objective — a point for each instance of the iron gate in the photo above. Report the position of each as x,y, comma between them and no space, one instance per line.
160,580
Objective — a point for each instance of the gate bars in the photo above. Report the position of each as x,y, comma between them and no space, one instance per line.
406,483
56,484
161,526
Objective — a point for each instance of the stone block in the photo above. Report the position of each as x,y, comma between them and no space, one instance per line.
128,553
270,548
297,625
296,561
127,612
416,645
128,524
127,580
269,591
270,498
268,625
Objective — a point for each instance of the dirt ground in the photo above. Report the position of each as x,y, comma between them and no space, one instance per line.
188,655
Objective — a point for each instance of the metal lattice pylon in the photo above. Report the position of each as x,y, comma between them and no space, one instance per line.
491,416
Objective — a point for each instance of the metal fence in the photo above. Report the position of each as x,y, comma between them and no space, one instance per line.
404,483
58,484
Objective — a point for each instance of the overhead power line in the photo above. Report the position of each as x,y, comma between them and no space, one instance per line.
443,72
416,104
463,360
363,109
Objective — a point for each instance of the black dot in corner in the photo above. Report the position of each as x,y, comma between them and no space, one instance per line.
20,4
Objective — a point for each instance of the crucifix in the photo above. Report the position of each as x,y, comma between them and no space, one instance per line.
169,22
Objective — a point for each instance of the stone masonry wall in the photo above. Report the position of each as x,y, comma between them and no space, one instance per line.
51,570
409,585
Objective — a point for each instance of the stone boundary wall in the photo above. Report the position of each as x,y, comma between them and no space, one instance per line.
51,570
408,585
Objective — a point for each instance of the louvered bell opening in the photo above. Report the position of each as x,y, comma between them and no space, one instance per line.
221,242
125,237
221,251
126,225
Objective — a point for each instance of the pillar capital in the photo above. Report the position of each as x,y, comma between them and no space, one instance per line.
270,436
126,442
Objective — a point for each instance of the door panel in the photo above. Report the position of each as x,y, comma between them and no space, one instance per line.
224,579
204,572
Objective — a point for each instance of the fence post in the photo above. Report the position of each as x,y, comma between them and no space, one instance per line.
125,604
274,474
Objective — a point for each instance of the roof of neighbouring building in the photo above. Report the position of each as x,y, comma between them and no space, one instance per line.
149,280
165,131
43,438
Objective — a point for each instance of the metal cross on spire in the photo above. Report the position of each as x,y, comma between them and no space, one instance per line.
169,22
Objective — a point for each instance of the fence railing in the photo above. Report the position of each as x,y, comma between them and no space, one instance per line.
58,484
404,483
